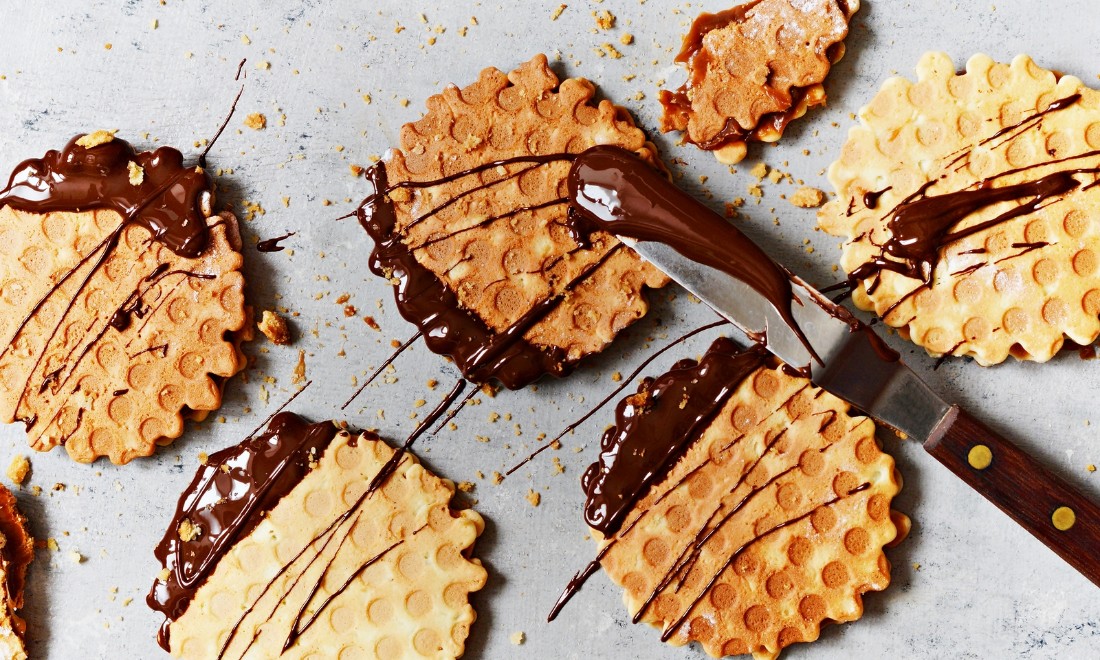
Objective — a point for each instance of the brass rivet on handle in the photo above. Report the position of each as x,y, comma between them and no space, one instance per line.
980,457
1063,518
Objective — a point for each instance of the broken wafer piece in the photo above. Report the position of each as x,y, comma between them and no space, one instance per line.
123,297
757,512
968,204
300,542
468,220
16,554
754,69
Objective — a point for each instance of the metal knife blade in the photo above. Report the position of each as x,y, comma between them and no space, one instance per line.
888,391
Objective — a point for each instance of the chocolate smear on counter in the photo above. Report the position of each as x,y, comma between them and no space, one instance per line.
654,427
273,244
613,190
226,500
480,353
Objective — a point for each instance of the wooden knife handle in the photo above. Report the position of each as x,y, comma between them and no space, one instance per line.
1043,503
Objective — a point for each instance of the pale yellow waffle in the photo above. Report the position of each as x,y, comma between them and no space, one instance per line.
97,390
754,69
500,269
787,498
1019,287
402,553
16,553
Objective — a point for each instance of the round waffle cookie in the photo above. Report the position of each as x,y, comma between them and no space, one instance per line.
967,200
324,562
754,69
112,334
469,221
771,523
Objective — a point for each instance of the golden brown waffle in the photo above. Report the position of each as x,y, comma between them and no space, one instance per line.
498,258
753,69
403,555
1017,287
16,554
98,390
772,524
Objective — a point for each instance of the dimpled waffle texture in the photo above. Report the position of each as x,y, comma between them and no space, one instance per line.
754,64
777,451
118,393
410,603
500,269
1006,299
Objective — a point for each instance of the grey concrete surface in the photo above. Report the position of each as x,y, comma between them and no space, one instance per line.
983,589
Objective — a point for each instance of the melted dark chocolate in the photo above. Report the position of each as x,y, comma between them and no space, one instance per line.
654,427
273,244
167,202
423,299
922,225
226,500
613,190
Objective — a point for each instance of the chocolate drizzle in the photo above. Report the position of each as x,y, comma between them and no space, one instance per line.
226,500
273,244
654,427
613,190
168,201
481,353
922,225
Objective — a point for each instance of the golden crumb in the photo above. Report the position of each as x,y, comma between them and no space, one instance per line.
533,497
808,198
204,458
498,478
137,174
626,39
256,121
518,638
760,170
756,191
557,12
1090,468
605,20
188,531
263,65
76,557
465,486
96,138
274,328
356,170
108,46
18,469
612,52
371,323
164,575
300,368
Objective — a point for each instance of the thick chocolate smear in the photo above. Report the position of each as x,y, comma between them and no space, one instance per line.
226,500
424,300
654,428
612,190
168,200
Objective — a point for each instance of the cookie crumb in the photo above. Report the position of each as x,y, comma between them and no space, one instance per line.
554,15
300,368
465,486
188,531
18,469
76,557
256,121
533,497
371,323
1090,468
96,138
498,478
137,174
518,638
274,328
808,198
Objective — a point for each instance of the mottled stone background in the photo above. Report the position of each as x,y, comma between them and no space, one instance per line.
163,74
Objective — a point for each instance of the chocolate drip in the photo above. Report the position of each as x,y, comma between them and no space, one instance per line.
168,202
870,199
226,500
654,428
613,190
423,299
272,244
922,225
